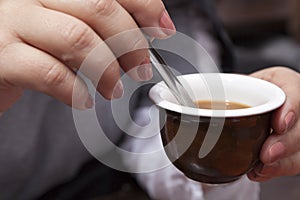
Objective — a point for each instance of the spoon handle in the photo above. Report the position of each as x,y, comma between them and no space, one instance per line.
170,79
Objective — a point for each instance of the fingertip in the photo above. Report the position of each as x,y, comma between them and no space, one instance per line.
118,90
84,104
141,72
81,99
264,172
89,103
111,89
275,152
153,15
166,24
165,29
145,70
281,123
289,120
252,175
257,174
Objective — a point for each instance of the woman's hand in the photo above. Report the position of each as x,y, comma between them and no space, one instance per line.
44,42
280,155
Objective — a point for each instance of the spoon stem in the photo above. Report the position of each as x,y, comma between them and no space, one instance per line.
173,83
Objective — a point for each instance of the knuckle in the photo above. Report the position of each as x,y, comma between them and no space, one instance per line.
146,3
78,35
102,7
54,75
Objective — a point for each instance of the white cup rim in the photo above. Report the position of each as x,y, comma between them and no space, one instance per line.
274,96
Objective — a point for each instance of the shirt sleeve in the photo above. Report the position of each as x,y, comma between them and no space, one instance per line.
168,182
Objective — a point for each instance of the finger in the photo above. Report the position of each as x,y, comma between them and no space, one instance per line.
279,146
147,13
36,70
256,175
285,119
107,82
286,167
113,24
71,41
156,10
289,81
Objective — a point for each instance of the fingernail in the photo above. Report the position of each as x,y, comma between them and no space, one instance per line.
276,151
89,102
166,24
145,70
118,90
289,120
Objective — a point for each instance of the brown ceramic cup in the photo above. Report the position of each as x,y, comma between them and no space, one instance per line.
217,145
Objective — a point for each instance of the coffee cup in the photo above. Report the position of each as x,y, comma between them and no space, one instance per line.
215,143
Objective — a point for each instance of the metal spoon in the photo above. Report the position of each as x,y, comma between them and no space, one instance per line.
174,84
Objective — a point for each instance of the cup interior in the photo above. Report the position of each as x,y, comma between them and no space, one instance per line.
260,95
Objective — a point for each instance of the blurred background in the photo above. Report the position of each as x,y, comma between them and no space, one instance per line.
264,32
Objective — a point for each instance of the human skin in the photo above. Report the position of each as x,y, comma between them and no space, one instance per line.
44,42
280,155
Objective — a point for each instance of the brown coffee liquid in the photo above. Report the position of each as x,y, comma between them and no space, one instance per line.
220,105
